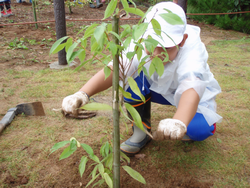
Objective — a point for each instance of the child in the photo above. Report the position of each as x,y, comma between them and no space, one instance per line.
8,12
186,83
98,4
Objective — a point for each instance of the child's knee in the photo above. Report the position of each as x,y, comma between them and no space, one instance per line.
199,135
198,129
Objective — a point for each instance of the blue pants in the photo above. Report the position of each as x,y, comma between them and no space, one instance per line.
198,129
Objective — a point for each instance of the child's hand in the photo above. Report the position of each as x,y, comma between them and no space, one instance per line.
71,103
172,129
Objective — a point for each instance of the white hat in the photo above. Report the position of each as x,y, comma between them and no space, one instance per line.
176,32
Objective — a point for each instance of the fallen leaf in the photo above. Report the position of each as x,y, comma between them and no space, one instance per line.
140,156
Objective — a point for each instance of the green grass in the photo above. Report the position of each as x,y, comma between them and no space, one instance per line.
223,159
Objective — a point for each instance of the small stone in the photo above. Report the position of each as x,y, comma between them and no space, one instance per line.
140,156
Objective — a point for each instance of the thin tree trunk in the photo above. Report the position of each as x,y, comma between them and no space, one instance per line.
116,113
59,12
34,11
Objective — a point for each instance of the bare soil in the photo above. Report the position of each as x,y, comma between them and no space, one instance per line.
37,58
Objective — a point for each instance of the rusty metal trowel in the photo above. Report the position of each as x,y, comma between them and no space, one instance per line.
28,109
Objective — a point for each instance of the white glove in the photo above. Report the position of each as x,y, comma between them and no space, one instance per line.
172,129
71,103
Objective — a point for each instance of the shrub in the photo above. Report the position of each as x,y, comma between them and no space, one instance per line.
238,22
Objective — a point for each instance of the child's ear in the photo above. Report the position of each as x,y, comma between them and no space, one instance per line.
185,36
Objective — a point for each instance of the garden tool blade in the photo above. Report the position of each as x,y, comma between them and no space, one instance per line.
28,109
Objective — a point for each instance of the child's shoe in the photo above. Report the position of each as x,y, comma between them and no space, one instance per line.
9,12
3,14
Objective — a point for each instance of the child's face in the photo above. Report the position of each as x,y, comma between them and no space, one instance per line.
172,51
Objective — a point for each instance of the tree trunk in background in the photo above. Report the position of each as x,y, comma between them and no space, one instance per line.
59,12
183,4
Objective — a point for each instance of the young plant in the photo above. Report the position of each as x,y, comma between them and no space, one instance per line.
102,166
122,47
71,4
17,44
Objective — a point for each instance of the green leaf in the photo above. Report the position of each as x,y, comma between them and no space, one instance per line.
73,144
134,174
157,62
219,140
130,55
89,31
96,106
82,165
56,44
139,30
134,87
81,30
123,113
125,3
150,44
104,151
172,18
68,44
58,146
108,180
109,27
145,14
59,48
110,9
74,55
94,46
70,51
81,55
94,171
66,153
84,43
135,115
127,94
156,26
101,168
116,35
88,149
99,32
113,48
92,180
99,183
107,72
145,58
139,53
109,161
127,42
82,64
145,71
125,156
142,63
139,45
151,69
106,148
126,31
95,158
135,11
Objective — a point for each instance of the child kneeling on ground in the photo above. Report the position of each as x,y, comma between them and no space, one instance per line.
186,83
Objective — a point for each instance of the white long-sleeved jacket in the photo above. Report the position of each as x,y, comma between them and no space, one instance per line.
188,70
